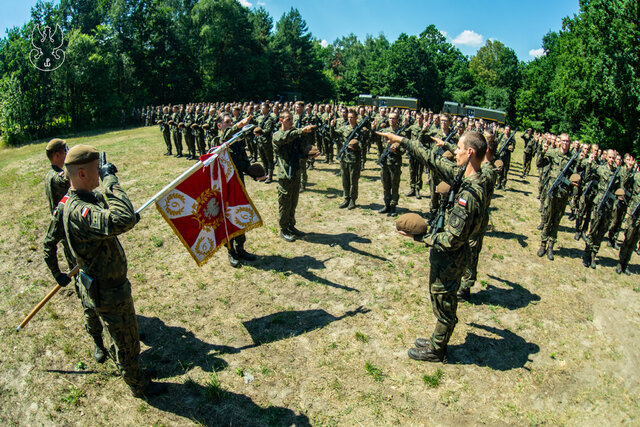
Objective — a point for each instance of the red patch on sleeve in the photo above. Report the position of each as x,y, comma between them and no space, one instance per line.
85,212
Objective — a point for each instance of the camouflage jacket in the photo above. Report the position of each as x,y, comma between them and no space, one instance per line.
349,155
56,185
603,174
288,144
55,234
91,223
266,123
556,160
394,159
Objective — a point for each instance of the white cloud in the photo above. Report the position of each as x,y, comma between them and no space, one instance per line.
537,53
245,3
261,3
324,43
469,38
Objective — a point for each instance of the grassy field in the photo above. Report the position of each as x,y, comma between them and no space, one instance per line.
316,331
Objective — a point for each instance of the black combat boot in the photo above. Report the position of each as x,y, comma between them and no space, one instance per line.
463,294
542,250
411,193
287,236
418,194
296,232
422,342
168,153
385,210
234,261
352,204
243,254
99,352
586,258
345,203
540,227
577,235
392,211
550,251
428,354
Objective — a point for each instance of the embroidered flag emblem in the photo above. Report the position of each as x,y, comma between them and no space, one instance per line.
85,211
462,202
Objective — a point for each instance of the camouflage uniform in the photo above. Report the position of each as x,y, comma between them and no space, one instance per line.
288,147
506,160
350,164
91,225
166,132
189,138
390,173
308,139
600,221
527,153
621,206
631,225
264,144
176,132
416,167
198,133
450,253
556,205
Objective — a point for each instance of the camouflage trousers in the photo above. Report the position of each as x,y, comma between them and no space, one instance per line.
416,169
288,194
177,141
583,215
631,238
618,216
390,176
350,177
526,163
503,175
266,154
191,142
597,229
113,308
444,280
553,211
202,145
167,139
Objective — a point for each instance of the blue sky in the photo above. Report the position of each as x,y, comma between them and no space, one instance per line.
468,24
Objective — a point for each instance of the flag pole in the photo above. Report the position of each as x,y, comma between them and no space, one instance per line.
153,199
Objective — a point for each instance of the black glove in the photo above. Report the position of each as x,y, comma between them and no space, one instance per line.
137,217
63,280
418,237
108,169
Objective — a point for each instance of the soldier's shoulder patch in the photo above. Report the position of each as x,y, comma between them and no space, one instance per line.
61,173
462,202
85,211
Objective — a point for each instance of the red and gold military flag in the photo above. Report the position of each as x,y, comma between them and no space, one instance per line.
210,207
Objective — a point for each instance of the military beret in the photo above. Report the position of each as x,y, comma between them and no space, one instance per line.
256,170
205,126
354,144
311,151
56,144
443,188
257,130
158,122
171,122
81,155
181,125
499,164
411,223
448,155
193,126
575,178
620,192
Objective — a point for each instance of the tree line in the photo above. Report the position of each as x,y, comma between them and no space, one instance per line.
128,53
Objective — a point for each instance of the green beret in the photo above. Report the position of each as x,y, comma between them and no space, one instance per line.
81,155
55,145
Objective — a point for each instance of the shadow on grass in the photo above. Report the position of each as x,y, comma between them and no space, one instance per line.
343,240
300,265
513,190
508,351
212,405
287,324
521,238
332,193
511,299
372,206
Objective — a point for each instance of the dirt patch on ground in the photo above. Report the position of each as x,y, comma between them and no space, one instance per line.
317,331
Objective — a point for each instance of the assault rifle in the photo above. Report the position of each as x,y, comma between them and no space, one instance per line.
440,151
387,149
636,211
608,193
355,134
438,222
507,143
561,180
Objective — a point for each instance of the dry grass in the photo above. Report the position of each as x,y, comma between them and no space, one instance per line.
317,331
